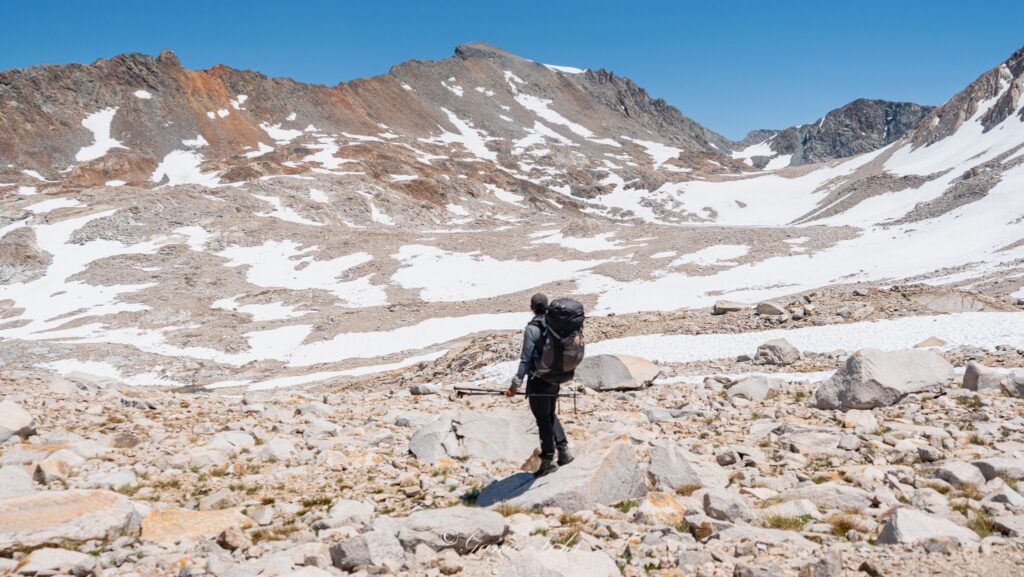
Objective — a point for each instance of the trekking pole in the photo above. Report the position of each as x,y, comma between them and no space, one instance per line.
470,391
473,391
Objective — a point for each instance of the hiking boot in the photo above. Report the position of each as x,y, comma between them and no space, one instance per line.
546,466
564,457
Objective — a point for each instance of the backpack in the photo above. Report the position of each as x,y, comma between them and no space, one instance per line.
563,347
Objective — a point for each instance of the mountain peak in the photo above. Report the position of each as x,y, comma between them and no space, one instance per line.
479,49
167,56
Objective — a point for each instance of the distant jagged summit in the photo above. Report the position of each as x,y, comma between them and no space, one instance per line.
861,126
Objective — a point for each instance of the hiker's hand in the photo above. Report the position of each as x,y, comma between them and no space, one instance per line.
514,387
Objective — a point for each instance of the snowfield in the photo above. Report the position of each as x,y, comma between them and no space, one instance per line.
977,329
450,276
284,265
880,254
972,329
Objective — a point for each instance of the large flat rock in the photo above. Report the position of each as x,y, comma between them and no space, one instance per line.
831,495
15,481
765,535
910,526
615,372
606,471
14,420
872,378
954,302
54,517
463,529
498,435
371,548
673,467
168,526
561,563
1006,467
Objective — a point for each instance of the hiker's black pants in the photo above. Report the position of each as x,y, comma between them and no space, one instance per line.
543,409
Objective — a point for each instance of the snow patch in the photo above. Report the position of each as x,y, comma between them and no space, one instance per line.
280,135
565,69
457,209
474,140
719,254
197,142
444,276
99,124
379,217
52,300
263,149
659,153
763,148
504,195
182,167
540,107
454,88
280,264
780,161
52,204
196,237
107,370
274,311
596,243
284,213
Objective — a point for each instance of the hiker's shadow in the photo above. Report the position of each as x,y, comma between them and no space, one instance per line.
505,489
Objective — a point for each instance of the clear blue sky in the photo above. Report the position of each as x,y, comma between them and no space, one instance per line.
731,65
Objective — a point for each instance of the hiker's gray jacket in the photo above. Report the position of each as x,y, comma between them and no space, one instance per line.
532,344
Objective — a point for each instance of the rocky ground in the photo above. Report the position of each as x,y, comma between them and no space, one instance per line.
902,463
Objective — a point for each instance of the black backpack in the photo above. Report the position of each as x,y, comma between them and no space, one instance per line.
563,347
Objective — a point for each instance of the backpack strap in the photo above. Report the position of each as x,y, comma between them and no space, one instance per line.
539,349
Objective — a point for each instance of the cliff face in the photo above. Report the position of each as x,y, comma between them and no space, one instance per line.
856,128
996,93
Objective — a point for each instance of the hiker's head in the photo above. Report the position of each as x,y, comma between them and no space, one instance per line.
539,304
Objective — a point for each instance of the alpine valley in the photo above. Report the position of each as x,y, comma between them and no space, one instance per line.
233,309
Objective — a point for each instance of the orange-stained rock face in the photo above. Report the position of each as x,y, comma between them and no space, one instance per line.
660,509
43,510
168,526
75,515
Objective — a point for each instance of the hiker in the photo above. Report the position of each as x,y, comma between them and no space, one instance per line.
552,347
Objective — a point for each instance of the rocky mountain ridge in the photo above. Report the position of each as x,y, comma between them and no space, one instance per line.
859,127
152,113
232,115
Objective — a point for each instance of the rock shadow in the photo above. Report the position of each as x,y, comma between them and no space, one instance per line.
505,489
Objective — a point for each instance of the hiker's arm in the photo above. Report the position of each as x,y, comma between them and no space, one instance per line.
530,337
